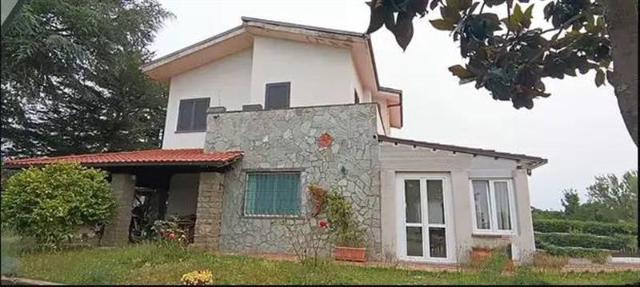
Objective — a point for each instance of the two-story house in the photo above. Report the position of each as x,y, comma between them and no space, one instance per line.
261,111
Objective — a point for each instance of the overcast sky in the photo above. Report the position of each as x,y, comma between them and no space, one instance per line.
578,129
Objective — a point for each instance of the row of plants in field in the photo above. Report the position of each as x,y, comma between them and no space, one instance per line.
589,227
616,242
595,254
585,239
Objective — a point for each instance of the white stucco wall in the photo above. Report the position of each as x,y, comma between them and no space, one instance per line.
226,82
183,194
461,168
319,74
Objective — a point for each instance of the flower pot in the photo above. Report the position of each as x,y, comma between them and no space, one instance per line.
350,254
479,254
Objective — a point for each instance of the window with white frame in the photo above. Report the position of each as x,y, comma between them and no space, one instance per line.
493,206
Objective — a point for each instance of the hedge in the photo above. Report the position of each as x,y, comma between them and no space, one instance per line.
595,254
575,226
584,240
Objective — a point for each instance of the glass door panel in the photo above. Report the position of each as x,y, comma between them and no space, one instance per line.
437,242
425,222
412,201
435,201
414,241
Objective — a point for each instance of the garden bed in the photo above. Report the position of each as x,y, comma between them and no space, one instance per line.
163,264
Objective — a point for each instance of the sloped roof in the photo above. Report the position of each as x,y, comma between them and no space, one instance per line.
241,37
156,157
532,161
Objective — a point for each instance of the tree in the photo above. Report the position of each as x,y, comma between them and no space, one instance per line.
71,78
570,202
49,203
618,197
510,58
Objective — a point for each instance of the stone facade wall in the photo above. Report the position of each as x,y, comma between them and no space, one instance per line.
117,232
209,211
288,140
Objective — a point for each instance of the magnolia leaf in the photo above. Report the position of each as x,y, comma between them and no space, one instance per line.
434,4
473,7
403,31
449,14
376,19
526,18
459,4
610,77
529,11
389,19
492,3
441,24
465,4
512,24
600,22
418,7
548,10
517,14
599,78
461,72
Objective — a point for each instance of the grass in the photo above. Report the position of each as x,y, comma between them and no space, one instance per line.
161,264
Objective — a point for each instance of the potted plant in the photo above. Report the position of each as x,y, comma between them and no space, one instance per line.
350,247
348,236
479,254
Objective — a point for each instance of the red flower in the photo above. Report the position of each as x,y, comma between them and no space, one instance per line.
172,236
324,224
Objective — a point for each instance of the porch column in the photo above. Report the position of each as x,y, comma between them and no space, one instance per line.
209,210
116,233
524,242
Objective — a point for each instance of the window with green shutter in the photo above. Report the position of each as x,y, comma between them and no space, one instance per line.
272,193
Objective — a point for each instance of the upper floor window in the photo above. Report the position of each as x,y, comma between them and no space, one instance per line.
493,202
192,115
277,96
272,194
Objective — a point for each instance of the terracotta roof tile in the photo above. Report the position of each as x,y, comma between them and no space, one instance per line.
132,158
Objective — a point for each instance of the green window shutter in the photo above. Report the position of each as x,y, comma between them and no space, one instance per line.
272,194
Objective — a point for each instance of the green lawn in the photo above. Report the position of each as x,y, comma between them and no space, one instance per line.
154,264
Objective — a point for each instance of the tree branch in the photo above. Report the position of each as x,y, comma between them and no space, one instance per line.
562,27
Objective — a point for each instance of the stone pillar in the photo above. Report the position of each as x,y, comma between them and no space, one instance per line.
209,211
116,233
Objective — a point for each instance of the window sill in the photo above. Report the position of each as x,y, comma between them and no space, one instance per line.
189,131
272,217
492,234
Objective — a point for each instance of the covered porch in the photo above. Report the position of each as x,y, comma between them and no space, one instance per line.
180,183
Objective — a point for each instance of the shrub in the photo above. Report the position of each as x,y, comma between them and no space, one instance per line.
575,226
49,203
596,255
203,277
342,222
583,240
308,236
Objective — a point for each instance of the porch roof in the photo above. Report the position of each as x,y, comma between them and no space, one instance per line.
154,157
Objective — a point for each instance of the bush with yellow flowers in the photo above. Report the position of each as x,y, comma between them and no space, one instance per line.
203,277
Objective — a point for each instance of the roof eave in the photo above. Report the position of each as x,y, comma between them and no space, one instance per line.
534,161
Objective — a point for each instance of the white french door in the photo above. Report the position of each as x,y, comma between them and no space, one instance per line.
425,227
